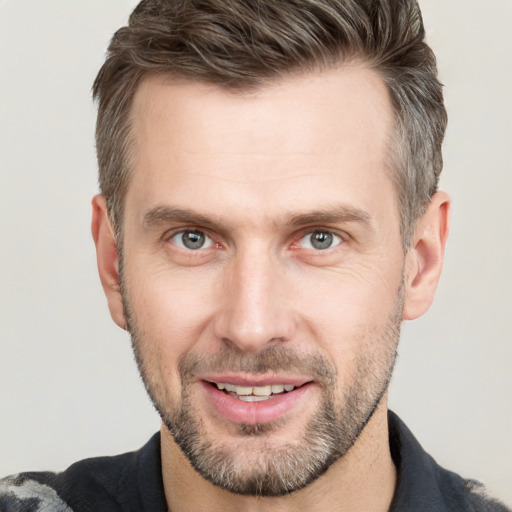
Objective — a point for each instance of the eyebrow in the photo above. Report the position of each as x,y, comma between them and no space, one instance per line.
329,215
164,215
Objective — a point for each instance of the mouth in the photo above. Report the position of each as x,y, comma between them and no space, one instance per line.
254,393
256,401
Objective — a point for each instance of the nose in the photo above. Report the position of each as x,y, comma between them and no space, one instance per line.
255,309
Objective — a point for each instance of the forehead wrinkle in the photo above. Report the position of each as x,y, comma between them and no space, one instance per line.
278,176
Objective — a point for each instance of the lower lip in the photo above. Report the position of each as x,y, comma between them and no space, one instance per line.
252,413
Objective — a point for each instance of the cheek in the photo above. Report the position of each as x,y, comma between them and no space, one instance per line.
169,315
171,307
350,314
348,297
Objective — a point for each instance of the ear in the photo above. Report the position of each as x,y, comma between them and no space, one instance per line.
424,260
107,258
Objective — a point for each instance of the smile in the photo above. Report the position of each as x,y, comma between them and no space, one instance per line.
255,402
255,393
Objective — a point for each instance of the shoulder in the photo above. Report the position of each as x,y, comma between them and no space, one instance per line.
90,485
459,493
425,486
20,493
479,498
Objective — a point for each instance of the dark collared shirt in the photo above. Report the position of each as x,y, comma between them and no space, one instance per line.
133,483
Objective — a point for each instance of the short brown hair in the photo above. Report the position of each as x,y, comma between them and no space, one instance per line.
241,44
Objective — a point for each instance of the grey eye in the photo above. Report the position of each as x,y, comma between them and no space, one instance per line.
192,240
319,240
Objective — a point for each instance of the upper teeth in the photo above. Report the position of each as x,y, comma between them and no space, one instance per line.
255,390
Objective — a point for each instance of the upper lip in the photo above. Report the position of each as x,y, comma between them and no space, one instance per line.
256,380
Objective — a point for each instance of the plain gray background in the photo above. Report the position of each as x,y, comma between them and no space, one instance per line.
68,386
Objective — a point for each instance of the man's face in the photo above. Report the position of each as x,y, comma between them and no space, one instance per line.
262,254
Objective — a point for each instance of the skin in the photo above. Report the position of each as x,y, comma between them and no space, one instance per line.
258,173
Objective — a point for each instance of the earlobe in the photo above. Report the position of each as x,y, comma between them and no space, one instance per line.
424,260
107,258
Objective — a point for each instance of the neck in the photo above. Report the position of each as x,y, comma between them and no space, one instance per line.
364,479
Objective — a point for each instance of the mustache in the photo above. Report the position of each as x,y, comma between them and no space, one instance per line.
271,359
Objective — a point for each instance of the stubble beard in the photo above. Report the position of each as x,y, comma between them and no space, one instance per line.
252,464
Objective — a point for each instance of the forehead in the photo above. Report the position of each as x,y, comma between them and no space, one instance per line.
320,137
